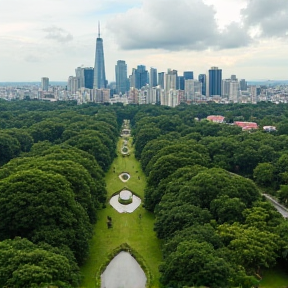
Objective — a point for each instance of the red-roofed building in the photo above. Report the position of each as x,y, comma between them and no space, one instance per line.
246,125
216,118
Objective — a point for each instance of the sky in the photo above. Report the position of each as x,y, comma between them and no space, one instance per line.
40,38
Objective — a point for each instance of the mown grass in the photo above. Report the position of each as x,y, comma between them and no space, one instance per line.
127,227
274,278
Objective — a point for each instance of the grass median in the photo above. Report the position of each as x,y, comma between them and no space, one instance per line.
135,229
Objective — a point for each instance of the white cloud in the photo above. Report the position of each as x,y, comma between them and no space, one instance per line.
50,38
174,25
58,34
269,16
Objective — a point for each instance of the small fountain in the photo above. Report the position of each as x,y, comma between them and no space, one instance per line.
125,201
124,177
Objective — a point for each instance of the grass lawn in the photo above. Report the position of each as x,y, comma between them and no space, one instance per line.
274,278
127,227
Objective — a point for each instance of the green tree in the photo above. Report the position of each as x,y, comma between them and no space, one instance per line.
227,210
46,130
250,247
195,264
9,148
175,216
24,264
264,174
283,194
40,206
82,184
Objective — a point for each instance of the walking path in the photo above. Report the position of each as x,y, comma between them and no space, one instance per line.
279,207
135,229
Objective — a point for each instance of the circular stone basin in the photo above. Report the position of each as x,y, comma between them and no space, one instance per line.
125,149
125,194
124,177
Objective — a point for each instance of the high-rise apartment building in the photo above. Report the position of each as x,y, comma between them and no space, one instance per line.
253,94
80,75
202,79
44,83
121,77
99,67
153,77
193,90
234,91
214,81
230,89
170,84
170,80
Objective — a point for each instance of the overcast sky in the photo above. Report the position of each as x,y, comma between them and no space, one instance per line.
40,38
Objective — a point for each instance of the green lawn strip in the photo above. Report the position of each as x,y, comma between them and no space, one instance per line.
274,278
127,227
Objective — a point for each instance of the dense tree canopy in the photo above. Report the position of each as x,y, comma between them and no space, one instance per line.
24,264
41,206
203,209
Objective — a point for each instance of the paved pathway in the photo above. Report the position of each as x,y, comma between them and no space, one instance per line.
280,208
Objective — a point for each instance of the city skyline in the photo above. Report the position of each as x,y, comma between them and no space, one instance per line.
50,40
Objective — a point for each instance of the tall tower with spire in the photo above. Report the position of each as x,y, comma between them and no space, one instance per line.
99,67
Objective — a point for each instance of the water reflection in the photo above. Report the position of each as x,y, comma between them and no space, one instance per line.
123,272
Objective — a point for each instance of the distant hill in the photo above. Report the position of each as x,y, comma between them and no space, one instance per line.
267,82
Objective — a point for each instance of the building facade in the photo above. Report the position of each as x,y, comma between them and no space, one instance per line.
153,77
99,67
121,77
214,81
44,83
202,79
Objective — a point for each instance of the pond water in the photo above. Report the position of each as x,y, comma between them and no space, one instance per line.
123,272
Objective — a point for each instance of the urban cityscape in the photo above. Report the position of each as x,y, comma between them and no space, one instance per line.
89,84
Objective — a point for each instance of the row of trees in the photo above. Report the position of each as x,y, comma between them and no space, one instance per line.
217,229
51,185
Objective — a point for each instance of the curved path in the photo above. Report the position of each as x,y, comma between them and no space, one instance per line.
135,229
279,207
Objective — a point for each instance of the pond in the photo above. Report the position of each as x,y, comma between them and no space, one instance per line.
123,272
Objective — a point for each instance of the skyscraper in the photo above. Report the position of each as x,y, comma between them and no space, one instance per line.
215,81
80,75
139,77
161,76
44,83
99,67
188,75
88,77
193,89
121,76
181,82
243,85
153,77
202,79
